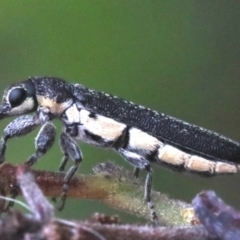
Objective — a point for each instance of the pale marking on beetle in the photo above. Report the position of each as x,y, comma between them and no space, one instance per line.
141,142
56,108
172,155
222,167
73,114
104,127
200,164
26,105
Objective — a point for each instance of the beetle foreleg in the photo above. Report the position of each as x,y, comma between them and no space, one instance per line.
18,127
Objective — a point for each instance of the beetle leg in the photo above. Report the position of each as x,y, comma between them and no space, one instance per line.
43,142
140,162
18,127
70,149
136,172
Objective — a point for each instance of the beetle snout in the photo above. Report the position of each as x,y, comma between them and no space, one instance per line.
4,111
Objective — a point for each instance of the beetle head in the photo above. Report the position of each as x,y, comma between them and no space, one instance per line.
18,99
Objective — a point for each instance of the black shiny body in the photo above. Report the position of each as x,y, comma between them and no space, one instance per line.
188,137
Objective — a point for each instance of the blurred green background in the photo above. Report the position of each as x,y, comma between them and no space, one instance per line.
178,57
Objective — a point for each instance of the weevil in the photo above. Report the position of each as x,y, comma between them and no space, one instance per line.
140,135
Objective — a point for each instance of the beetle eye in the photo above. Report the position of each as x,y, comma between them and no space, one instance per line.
17,96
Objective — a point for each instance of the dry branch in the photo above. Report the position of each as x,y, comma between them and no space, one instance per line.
111,185
41,224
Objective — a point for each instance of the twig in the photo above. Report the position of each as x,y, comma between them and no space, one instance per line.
111,185
41,224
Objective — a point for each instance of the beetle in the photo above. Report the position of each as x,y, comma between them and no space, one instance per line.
140,135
